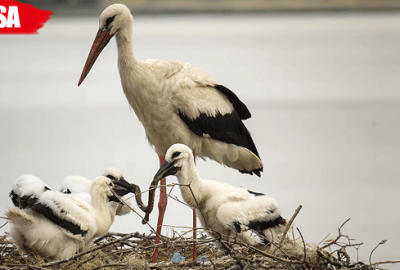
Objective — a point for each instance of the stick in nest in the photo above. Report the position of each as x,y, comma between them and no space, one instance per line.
274,249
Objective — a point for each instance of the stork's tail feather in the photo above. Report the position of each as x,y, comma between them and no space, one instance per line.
256,172
243,159
236,157
18,216
249,236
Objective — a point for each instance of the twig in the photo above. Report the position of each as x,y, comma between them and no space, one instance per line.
4,224
109,265
185,265
22,265
380,243
88,260
286,229
272,256
304,245
133,210
323,239
233,255
385,262
342,252
176,199
330,259
337,238
198,207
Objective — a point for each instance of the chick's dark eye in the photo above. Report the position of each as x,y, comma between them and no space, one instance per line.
110,177
110,184
110,20
175,154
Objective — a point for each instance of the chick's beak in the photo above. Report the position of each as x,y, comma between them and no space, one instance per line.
167,168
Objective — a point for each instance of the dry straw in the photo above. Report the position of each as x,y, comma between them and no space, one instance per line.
135,250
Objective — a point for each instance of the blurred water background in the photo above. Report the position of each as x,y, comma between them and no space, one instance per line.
322,86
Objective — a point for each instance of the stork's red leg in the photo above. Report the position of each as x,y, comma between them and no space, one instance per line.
162,204
194,235
194,227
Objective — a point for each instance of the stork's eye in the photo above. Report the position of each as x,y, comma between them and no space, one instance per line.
175,154
111,177
110,20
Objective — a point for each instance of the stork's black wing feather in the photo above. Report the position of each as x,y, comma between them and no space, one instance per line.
237,104
22,202
25,201
53,217
32,202
256,193
260,225
227,128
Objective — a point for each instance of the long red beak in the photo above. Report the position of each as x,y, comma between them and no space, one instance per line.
101,40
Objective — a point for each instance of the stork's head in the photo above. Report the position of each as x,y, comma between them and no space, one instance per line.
113,173
112,20
121,186
176,159
102,185
114,17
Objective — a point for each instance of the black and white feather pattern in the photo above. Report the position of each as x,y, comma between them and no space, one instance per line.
26,190
227,127
177,102
233,212
54,224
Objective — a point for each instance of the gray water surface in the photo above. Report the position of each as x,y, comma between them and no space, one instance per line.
323,91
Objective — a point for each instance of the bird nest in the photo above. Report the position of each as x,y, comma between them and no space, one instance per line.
135,251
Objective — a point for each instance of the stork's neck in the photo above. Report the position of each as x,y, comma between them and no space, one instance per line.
104,219
112,208
191,184
130,72
126,57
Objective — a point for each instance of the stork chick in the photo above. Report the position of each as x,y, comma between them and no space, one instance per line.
79,186
252,217
55,225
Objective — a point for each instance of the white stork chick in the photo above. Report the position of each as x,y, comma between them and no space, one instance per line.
79,186
176,102
33,233
116,174
252,217
26,190
56,225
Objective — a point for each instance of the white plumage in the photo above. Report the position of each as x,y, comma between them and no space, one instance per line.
33,233
76,184
116,174
253,218
79,187
27,186
176,102
54,224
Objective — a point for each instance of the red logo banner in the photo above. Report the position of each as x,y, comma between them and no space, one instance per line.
19,18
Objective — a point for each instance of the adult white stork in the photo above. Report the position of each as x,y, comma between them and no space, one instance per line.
54,224
177,103
251,217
